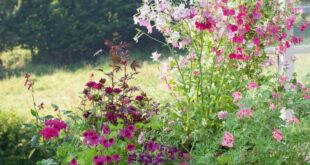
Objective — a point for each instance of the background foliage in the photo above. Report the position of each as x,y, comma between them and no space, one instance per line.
64,31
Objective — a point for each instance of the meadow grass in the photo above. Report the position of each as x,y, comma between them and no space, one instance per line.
64,85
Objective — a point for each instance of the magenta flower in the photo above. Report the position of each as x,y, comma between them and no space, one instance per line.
228,140
105,129
107,143
222,115
98,86
307,97
237,96
151,146
73,162
139,98
108,90
99,160
245,113
130,147
256,41
126,133
55,123
115,158
207,25
304,26
90,84
277,135
90,138
49,132
117,90
238,39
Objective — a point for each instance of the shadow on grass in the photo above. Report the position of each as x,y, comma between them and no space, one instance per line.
40,69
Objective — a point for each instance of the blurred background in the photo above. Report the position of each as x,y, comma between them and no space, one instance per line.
55,41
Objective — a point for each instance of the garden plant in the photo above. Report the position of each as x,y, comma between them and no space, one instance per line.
227,106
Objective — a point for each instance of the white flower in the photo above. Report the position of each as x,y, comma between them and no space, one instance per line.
286,114
155,56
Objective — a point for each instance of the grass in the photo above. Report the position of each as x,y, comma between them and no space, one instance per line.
63,85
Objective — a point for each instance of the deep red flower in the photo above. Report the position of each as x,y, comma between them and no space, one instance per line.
130,147
139,98
108,90
117,90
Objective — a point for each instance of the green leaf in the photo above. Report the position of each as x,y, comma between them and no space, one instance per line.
34,113
31,153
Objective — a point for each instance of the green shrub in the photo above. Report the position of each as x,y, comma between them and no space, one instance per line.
14,140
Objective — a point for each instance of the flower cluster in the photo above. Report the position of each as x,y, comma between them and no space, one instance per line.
52,128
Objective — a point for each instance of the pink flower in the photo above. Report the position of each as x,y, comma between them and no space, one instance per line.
196,72
232,28
90,138
256,14
237,96
139,98
307,97
277,135
73,162
90,84
272,106
49,132
290,22
304,26
105,129
282,80
155,56
207,25
130,147
145,23
117,90
55,123
222,115
238,39
228,140
107,143
115,158
256,41
108,90
294,120
276,95
245,113
252,85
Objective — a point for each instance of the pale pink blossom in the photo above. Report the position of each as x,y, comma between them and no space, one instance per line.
155,56
245,113
237,96
272,106
252,85
283,79
277,135
196,72
294,120
222,115
290,22
228,140
276,95
140,138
